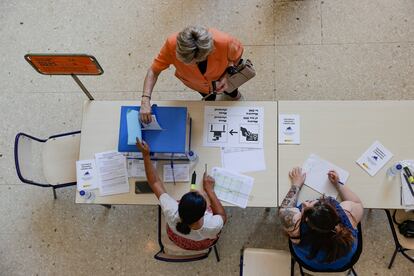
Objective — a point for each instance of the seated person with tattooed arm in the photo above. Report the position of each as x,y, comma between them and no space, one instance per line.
323,231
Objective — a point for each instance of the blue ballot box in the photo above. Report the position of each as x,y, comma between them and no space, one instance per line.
174,138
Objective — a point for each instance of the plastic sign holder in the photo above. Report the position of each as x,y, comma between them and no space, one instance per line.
66,64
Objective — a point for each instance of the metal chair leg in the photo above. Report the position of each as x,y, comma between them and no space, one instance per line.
216,253
393,258
292,267
54,193
353,271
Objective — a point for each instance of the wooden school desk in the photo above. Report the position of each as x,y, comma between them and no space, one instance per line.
340,132
100,129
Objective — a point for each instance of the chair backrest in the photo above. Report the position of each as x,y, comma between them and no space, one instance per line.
348,266
28,159
47,163
265,262
169,252
59,158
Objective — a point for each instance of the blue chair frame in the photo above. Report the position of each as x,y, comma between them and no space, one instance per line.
349,266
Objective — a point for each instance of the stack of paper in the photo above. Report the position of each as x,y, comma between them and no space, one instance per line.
232,187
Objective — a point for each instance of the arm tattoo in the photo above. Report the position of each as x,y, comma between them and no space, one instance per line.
291,198
288,208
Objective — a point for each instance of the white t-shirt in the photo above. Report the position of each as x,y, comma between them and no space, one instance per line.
211,227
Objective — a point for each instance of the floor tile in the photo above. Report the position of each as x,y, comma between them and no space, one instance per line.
339,72
297,22
249,21
355,21
28,254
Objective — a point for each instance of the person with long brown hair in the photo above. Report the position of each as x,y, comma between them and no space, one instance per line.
323,231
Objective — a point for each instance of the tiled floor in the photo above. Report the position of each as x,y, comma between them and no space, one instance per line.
310,49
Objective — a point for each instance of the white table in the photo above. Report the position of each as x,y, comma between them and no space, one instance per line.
100,129
340,131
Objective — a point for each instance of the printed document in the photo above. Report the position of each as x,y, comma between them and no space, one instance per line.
181,173
243,160
232,187
316,170
374,158
233,127
136,168
289,129
86,175
113,174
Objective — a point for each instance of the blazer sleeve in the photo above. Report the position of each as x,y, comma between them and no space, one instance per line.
164,58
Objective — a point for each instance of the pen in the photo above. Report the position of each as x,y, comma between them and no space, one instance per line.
340,182
193,181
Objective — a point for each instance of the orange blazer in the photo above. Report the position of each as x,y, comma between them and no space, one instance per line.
226,49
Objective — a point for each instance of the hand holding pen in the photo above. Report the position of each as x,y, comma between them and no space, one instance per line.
334,178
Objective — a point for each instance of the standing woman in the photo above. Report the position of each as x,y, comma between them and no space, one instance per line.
200,56
323,232
191,223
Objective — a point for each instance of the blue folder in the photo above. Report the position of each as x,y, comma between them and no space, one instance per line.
171,139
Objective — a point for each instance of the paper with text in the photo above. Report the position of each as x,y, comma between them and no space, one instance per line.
86,175
136,168
181,173
113,174
233,127
289,129
374,158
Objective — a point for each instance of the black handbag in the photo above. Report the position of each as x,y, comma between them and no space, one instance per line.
406,227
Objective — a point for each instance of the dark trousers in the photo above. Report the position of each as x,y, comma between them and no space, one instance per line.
212,97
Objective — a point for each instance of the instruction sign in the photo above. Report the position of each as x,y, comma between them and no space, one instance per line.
233,127
65,64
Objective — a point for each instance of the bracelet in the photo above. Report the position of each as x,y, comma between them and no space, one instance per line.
146,96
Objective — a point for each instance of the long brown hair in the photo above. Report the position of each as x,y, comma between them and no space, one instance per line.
326,232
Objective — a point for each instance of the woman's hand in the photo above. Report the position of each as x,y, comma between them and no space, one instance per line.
143,147
145,111
333,177
297,177
222,85
208,183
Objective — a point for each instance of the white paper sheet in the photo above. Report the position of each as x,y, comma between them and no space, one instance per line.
374,158
232,187
136,168
316,170
181,173
243,159
112,171
233,127
86,175
289,129
133,126
154,125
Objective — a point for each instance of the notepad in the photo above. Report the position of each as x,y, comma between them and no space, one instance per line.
316,170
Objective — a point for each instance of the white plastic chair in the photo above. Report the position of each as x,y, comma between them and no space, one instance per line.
47,162
265,262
